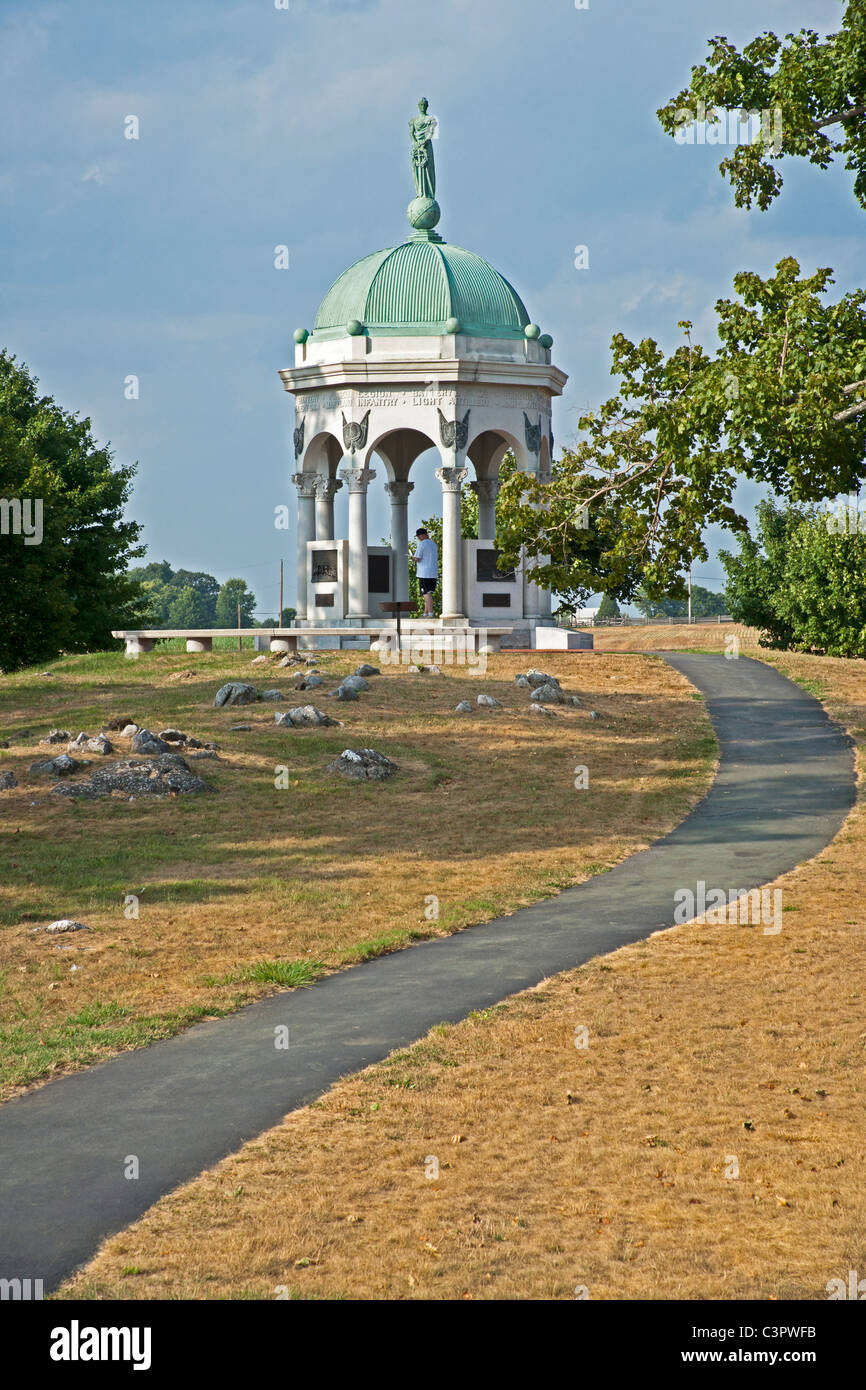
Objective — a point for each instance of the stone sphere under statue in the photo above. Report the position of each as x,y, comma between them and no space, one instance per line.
423,213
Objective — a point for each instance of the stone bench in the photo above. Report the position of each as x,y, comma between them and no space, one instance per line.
414,631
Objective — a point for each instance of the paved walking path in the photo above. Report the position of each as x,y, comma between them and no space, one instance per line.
784,786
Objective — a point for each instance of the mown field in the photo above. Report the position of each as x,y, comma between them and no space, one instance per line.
707,1144
255,887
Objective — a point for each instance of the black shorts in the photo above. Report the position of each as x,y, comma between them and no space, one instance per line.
427,586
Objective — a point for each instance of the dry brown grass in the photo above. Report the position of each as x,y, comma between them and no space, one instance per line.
661,637
483,814
560,1168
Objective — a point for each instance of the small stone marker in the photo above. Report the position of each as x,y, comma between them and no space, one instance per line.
235,693
63,924
488,702
463,708
363,765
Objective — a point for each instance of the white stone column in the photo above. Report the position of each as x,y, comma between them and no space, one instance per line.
544,600
358,480
486,490
306,485
399,495
452,542
326,490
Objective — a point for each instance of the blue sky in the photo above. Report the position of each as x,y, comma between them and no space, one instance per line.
260,127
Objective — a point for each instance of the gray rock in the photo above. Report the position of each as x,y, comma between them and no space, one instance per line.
99,744
235,693
570,700
146,742
173,736
194,743
548,694
541,709
205,753
259,660
240,728
163,775
129,730
344,692
62,925
271,695
594,714
297,680
57,736
463,708
366,670
523,682
305,717
80,741
433,671
356,683
61,766
541,678
8,780
363,764
312,681
312,661
414,670
488,702
290,659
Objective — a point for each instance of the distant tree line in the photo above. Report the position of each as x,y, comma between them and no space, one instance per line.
190,598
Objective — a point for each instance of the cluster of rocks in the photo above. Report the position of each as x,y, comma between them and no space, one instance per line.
546,689
363,765
351,687
414,670
168,741
8,780
167,774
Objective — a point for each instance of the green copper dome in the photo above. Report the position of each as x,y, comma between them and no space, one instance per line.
416,288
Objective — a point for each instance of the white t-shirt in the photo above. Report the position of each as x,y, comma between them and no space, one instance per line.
427,557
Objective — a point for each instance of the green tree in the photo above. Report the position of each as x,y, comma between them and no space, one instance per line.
813,89
803,581
782,401
68,590
706,603
756,576
608,608
232,593
188,608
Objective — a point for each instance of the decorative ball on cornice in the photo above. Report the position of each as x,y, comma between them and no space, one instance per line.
532,331
452,325
423,213
300,335
354,328
545,340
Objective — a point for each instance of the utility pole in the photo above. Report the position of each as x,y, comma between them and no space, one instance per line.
690,593
280,618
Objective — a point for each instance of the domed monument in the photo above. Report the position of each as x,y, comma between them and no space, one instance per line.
418,347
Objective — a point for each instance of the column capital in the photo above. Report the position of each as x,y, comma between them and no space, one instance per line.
327,488
486,489
305,483
452,479
357,479
399,491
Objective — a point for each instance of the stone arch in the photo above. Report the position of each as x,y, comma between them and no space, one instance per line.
398,449
322,455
